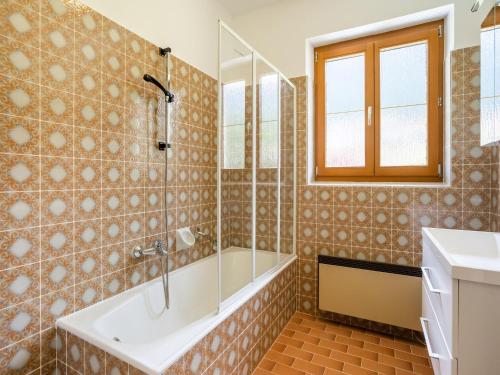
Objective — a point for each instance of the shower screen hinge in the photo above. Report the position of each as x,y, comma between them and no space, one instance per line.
440,101
440,170
440,31
315,56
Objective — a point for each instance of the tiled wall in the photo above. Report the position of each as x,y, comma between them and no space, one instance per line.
383,223
82,181
235,346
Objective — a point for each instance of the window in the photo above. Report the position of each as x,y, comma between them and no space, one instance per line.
378,107
490,77
268,134
233,120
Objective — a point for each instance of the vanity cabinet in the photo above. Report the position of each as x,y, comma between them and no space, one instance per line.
460,312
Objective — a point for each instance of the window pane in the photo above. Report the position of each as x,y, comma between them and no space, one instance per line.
268,121
234,150
269,144
345,84
403,75
345,103
269,97
345,140
487,85
234,103
403,136
234,124
403,112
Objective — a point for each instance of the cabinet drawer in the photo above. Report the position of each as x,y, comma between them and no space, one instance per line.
442,361
442,292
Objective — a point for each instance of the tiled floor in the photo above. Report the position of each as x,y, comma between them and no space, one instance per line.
313,346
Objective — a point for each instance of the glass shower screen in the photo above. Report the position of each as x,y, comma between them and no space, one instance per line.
256,166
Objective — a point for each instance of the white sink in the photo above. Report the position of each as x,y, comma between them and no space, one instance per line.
467,255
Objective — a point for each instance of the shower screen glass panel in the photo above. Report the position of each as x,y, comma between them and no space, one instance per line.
236,165
266,221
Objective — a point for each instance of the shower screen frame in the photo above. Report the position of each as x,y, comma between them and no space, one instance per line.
220,158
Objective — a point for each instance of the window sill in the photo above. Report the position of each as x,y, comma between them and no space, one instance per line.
438,184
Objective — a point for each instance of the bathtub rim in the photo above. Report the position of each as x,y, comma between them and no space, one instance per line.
204,325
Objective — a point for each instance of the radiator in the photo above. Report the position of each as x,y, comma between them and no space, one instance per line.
380,292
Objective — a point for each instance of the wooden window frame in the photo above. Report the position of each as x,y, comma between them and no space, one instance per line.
432,32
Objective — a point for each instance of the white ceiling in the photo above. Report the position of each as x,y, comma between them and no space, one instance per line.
236,7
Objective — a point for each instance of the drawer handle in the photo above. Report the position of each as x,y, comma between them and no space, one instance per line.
425,274
424,322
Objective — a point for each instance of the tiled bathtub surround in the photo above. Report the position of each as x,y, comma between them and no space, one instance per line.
235,346
82,181
383,223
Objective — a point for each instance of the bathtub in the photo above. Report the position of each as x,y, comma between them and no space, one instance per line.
135,327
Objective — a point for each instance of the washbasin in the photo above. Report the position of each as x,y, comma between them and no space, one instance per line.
467,254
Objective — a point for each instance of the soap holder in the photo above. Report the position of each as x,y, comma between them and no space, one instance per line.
184,238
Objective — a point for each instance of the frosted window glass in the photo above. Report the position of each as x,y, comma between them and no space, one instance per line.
403,106
345,84
268,89
345,140
487,86
403,136
403,75
234,103
269,97
345,104
234,124
269,144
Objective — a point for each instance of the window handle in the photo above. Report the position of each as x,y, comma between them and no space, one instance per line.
370,113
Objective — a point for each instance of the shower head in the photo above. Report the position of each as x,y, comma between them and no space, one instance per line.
168,95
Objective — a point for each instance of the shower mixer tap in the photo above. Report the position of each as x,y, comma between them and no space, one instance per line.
157,249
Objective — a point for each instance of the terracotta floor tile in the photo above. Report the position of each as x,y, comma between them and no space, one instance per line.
411,357
298,353
289,341
327,362
266,364
329,371
354,350
342,331
280,358
308,367
344,357
355,370
298,327
310,346
378,367
322,334
305,337
280,369
278,347
366,337
397,363
316,349
261,371
395,344
419,350
333,345
378,349
349,341
423,370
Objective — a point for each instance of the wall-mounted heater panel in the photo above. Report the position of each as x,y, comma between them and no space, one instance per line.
385,293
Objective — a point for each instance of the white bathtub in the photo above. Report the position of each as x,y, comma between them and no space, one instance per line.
152,338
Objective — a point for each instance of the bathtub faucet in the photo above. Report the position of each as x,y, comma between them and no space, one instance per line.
157,249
